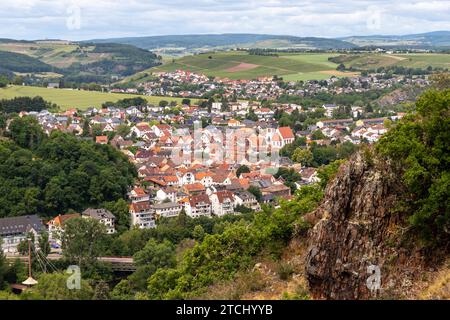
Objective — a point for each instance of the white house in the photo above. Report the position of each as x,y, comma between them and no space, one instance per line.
167,210
198,206
222,203
103,216
141,214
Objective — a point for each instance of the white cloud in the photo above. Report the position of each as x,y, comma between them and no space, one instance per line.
32,19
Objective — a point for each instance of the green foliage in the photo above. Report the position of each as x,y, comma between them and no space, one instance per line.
290,176
53,286
119,209
153,256
242,169
198,233
101,291
317,135
419,145
303,156
327,173
26,132
6,295
25,104
60,173
256,192
288,150
17,62
220,256
285,271
122,291
82,241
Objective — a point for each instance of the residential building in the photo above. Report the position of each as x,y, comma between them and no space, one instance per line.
13,230
198,206
142,215
104,216
167,210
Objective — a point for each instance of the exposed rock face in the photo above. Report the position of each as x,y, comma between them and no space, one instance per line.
355,227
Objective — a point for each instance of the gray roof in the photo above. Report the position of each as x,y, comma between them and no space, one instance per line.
98,214
166,205
14,225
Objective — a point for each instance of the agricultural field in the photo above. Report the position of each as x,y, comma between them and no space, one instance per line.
411,60
58,54
79,99
241,65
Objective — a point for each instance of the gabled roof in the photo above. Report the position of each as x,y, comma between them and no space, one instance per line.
201,198
23,224
224,195
286,132
60,220
194,187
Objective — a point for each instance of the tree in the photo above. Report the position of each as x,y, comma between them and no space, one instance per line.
186,101
101,291
256,192
242,169
198,233
418,147
122,291
26,132
82,240
119,209
163,103
303,156
317,135
153,256
44,245
53,286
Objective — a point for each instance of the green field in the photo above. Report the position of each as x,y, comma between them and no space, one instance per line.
79,99
299,66
411,60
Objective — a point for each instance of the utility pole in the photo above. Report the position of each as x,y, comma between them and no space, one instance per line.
30,281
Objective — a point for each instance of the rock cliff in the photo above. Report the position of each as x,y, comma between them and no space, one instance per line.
356,249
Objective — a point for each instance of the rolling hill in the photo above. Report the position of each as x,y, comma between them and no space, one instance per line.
11,62
242,65
205,41
410,60
78,62
430,40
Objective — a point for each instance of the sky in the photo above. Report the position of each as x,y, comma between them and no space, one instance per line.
93,19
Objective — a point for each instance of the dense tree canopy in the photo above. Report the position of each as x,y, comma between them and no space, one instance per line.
419,146
50,175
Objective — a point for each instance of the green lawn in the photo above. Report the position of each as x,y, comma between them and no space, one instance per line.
67,99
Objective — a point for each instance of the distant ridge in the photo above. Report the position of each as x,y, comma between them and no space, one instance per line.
229,40
430,40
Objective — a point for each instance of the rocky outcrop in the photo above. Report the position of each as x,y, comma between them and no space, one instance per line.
354,240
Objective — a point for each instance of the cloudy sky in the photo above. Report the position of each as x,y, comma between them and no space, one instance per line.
88,19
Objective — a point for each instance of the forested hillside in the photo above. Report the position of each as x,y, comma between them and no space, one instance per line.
52,175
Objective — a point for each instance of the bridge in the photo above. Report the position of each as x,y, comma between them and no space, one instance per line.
118,264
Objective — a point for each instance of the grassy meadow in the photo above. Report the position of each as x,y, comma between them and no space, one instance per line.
79,99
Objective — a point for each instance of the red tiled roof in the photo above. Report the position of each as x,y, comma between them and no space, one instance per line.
198,199
286,132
